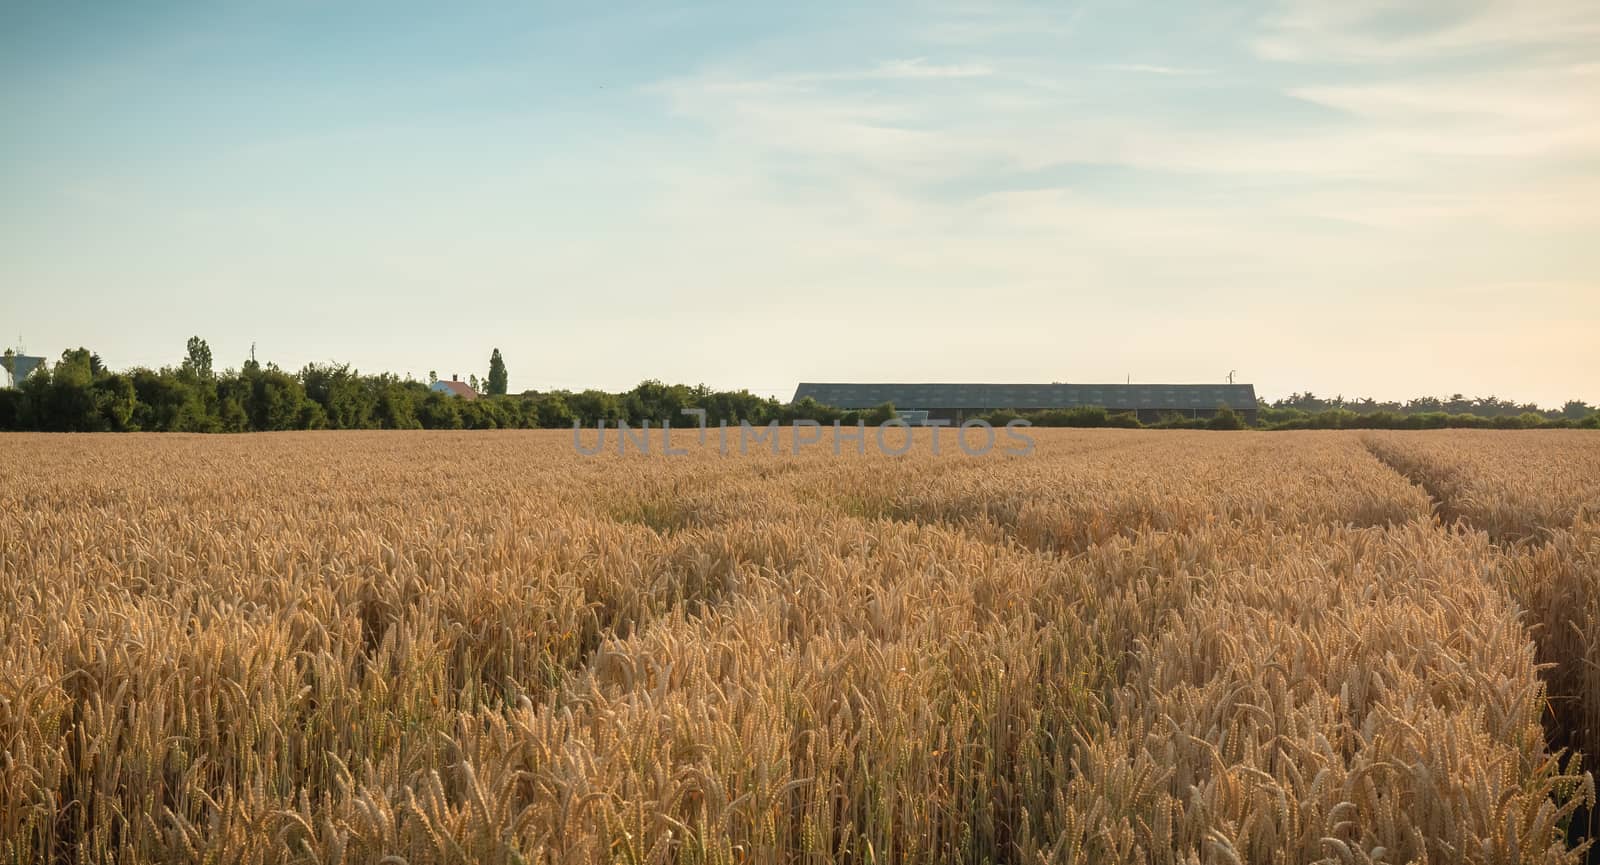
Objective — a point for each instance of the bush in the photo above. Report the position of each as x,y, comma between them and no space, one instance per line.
1274,417
10,408
809,409
999,417
1225,419
1177,420
1334,418
551,412
1082,416
1088,416
438,411
880,415
397,408
593,406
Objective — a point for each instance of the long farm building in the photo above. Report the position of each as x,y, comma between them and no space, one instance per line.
958,402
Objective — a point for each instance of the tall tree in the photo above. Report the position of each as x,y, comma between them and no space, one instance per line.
1576,409
198,361
497,374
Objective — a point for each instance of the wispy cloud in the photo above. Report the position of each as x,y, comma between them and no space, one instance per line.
985,22
1548,113
1150,69
912,69
1376,30
919,67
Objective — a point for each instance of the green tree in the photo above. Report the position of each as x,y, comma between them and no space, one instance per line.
197,375
553,412
654,401
34,410
66,401
742,405
198,360
275,400
807,408
76,366
115,402
347,398
881,414
592,406
1576,410
10,409
497,374
438,411
397,403
231,414
1225,419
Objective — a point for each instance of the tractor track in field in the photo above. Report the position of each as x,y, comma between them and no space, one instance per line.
1444,508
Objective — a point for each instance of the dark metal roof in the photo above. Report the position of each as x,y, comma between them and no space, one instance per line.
1029,396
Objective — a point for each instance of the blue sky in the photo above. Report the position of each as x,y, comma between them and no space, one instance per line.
1325,196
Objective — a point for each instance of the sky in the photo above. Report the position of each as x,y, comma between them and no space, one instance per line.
1330,196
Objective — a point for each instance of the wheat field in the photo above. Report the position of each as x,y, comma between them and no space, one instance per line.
1128,646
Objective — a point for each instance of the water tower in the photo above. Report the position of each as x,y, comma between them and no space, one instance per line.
18,366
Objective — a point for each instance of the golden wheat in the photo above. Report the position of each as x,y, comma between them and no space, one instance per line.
1128,646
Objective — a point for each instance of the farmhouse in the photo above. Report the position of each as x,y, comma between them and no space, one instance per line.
455,387
957,402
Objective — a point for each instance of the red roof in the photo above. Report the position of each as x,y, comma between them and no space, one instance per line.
461,389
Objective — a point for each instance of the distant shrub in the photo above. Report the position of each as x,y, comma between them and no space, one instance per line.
1270,416
1225,419
10,405
1178,420
999,417
1061,417
880,414
1088,416
807,408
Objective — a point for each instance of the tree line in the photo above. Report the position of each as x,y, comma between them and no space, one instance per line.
1270,418
1300,405
78,393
